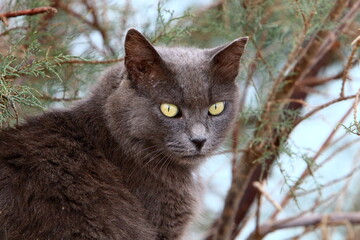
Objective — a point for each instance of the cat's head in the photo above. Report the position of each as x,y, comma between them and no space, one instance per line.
178,103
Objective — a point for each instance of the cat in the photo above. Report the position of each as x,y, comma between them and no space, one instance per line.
123,163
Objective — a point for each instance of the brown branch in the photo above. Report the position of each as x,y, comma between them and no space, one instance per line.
238,126
317,109
73,13
331,183
348,65
28,12
310,220
315,81
262,190
95,24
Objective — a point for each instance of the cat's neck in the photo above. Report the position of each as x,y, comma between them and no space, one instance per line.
90,116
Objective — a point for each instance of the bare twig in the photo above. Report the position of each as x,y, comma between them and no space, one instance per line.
28,12
261,189
331,183
315,81
355,112
317,109
348,65
95,24
324,227
98,26
311,220
67,9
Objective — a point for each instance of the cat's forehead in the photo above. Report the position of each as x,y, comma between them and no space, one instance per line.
182,55
190,68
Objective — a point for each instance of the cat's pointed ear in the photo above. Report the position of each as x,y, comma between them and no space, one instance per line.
225,59
142,61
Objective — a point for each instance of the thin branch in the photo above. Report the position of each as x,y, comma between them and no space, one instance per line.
315,81
258,212
290,100
261,189
348,65
311,220
331,183
73,13
28,12
96,25
317,109
355,111
239,123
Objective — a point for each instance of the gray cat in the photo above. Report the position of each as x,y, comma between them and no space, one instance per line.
123,163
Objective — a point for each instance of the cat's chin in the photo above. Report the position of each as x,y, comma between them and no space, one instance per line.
193,159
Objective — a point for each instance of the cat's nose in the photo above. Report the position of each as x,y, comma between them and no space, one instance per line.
198,142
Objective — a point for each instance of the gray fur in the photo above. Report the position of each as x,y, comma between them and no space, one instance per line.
114,167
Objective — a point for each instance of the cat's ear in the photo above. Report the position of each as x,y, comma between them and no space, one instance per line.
225,59
142,61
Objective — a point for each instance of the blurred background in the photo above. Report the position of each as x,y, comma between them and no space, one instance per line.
297,137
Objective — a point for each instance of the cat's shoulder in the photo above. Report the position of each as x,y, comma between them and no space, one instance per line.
36,134
44,142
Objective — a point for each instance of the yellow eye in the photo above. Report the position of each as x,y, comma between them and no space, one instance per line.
217,108
169,110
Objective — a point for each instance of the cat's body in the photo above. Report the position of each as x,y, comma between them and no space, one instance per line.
114,167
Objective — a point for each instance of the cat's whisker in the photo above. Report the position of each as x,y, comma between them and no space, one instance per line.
155,152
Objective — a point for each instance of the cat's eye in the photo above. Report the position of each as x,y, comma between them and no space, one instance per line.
217,108
169,110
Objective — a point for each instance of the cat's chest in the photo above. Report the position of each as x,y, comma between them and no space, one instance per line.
171,202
